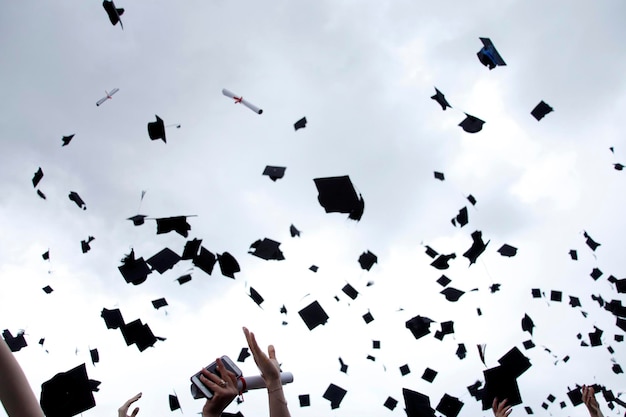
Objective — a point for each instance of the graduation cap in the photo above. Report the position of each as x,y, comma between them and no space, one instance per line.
177,224
256,297
305,400
500,382
313,315
228,264
431,252
134,271
84,244
183,279
429,375
68,393
163,260
536,292
375,344
477,248
15,343
113,12
488,54
471,199
527,326
37,177
471,124
444,280
313,268
419,326
494,288
368,317
618,166
447,327
112,318
596,273
174,403
574,301
461,351
350,291
191,249
439,175
337,195
47,289
367,260
156,130
507,250
452,294
293,231
138,333
461,218
138,219
595,337
441,99
343,367
405,370
528,344
515,362
95,356
243,354
161,302
573,254
334,394
274,172
300,124
66,140
391,403
417,404
76,199
449,406
40,194
441,262
541,110
590,242
205,260
556,296
266,249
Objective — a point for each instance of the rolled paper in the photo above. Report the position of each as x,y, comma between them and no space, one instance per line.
241,100
256,381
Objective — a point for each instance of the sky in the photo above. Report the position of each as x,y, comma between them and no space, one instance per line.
362,73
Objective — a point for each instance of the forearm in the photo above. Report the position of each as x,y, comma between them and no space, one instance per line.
277,401
16,394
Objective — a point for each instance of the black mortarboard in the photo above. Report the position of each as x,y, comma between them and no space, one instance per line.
243,354
575,396
596,273
618,167
449,406
183,279
174,404
595,337
177,223
138,219
256,297
515,362
541,110
300,124
343,366
441,262
556,295
368,317
617,369
405,370
266,249
447,327
452,294
471,124
205,260
293,231
375,344
47,289
15,343
536,293
562,404
84,244
335,395
40,194
367,260
138,333
461,351
475,390
95,356
76,199
191,249
161,302
337,195
507,250
350,291
113,13
66,140
112,318
68,393
274,172
443,280
313,315
429,375
313,268
494,288
488,54
590,242
471,199
391,403
305,400
417,404
37,177
528,410
283,310
527,325
479,311
573,254
431,252
461,218
500,383
163,260
477,248
528,344
46,255
419,326
441,99
574,301
156,130
133,270
439,175
228,264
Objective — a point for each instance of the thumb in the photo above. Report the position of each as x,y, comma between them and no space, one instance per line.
271,351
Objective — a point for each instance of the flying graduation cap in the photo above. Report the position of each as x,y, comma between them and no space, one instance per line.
156,130
76,199
477,248
66,140
472,124
37,177
367,260
113,12
337,195
300,124
274,172
441,99
541,110
488,54
68,393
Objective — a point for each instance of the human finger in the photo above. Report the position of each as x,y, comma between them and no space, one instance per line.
272,352
135,411
210,379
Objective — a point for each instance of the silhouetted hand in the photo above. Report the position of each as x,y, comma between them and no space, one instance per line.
123,410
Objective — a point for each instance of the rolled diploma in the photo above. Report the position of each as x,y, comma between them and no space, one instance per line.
256,381
245,102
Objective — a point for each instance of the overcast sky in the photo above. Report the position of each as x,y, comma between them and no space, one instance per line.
362,73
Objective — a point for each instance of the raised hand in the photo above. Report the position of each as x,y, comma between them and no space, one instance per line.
224,388
589,398
267,363
123,410
500,409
